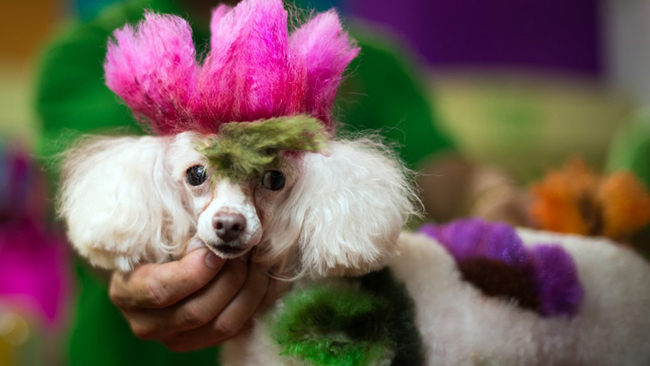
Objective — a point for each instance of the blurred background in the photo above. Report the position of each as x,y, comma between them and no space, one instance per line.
495,68
520,85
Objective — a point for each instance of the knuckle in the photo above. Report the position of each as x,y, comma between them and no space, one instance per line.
146,332
226,328
156,294
117,297
195,315
176,346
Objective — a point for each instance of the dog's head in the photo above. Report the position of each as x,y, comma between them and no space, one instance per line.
303,209
130,200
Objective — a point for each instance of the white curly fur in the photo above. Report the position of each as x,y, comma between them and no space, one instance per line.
334,215
119,203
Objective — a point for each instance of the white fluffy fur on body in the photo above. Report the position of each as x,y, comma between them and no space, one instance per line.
461,326
126,201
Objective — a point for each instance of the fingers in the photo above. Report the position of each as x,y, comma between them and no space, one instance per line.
229,322
244,305
193,312
161,285
195,302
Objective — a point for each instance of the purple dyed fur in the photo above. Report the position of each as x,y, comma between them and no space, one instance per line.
473,238
556,277
254,69
551,267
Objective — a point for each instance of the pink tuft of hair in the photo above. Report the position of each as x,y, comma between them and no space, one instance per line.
326,50
254,69
153,69
248,74
215,20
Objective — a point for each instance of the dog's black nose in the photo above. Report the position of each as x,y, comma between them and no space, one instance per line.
228,225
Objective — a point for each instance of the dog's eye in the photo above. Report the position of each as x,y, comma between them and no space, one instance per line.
273,180
196,175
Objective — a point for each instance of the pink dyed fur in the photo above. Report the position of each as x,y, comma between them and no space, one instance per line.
217,14
325,49
249,74
153,68
254,69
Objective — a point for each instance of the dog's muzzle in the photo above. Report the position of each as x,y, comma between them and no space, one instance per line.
229,228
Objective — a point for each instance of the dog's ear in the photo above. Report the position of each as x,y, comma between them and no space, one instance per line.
349,204
121,205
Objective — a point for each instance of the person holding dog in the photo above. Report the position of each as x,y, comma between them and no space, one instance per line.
214,298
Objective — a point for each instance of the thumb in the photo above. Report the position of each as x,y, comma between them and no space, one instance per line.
194,244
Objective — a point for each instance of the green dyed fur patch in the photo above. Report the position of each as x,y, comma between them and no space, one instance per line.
244,150
333,326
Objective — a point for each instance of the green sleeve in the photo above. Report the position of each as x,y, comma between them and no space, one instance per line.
382,93
71,93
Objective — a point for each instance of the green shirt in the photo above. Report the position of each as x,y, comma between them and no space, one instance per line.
381,93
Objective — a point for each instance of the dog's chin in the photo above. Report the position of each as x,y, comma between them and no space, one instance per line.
232,249
227,251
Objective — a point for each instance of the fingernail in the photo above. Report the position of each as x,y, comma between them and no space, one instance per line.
212,261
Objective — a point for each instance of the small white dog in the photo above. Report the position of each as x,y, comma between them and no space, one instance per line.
130,200
323,209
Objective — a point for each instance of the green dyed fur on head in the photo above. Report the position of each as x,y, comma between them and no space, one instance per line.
333,326
244,150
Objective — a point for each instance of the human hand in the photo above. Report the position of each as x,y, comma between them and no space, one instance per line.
198,301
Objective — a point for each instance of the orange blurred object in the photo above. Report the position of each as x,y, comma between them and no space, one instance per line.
576,200
627,205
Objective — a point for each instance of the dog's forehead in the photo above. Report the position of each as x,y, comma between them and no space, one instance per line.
183,152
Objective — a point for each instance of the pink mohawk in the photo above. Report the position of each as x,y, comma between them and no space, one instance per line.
254,69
